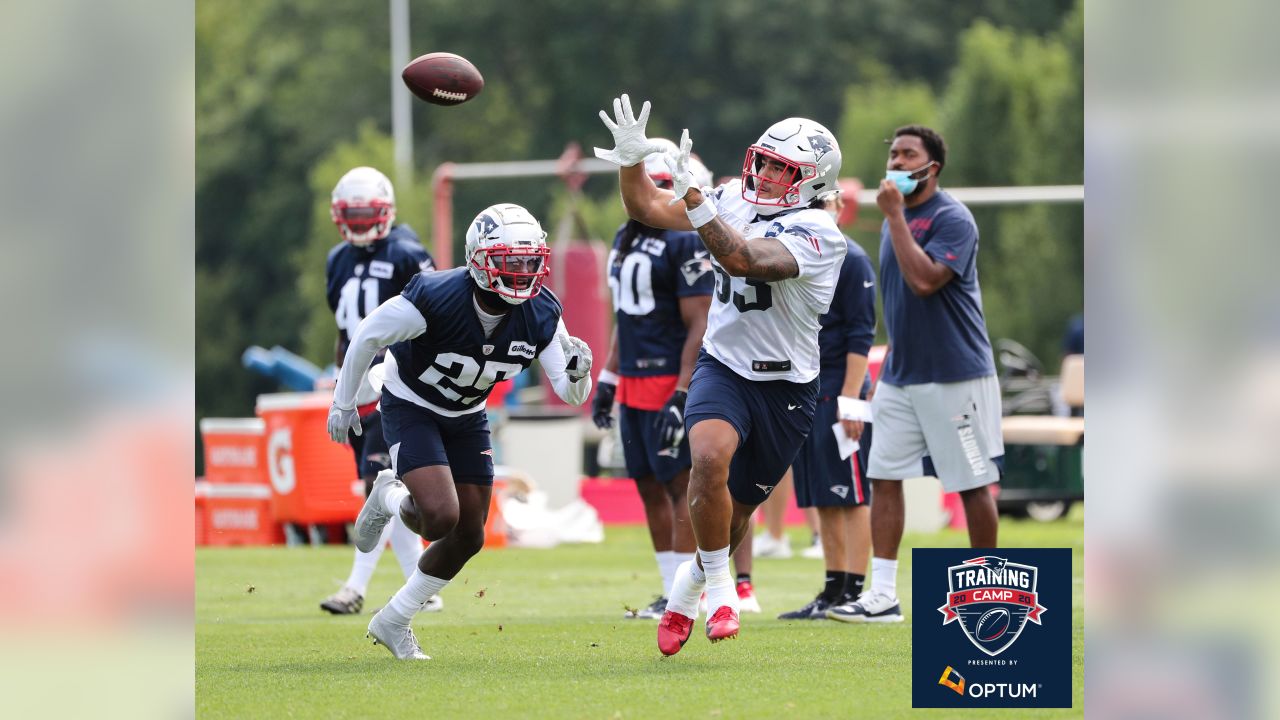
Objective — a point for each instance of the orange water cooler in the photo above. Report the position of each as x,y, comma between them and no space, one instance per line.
313,480
233,501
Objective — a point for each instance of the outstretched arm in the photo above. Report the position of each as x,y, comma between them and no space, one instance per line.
643,200
647,203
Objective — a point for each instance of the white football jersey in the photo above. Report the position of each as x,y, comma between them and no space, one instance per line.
769,330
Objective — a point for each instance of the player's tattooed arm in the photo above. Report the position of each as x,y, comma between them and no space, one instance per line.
762,258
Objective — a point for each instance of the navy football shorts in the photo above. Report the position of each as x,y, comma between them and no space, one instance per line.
642,446
418,437
772,418
822,478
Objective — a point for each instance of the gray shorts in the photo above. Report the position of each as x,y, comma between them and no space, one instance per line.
956,424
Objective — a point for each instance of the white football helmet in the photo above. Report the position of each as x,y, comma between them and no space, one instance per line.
656,168
364,206
809,157
507,252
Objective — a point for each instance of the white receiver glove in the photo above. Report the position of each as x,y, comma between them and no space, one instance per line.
577,357
341,420
681,176
630,144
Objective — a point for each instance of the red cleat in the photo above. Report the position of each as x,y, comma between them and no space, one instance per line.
723,624
673,631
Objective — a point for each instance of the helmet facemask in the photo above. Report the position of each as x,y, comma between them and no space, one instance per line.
516,273
363,206
507,253
362,223
788,178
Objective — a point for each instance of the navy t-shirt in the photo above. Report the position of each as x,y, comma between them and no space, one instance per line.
453,365
647,278
942,337
850,325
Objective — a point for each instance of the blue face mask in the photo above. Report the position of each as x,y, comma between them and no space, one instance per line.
902,178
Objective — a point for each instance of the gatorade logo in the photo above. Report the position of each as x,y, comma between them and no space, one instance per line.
280,461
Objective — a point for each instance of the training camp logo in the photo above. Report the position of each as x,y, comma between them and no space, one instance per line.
984,643
993,599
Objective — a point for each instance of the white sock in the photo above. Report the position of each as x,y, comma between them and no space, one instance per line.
406,544
365,563
679,558
686,588
667,568
392,496
409,599
720,586
884,576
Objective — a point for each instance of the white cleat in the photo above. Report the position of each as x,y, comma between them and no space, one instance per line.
764,545
870,607
371,520
813,552
399,639
434,604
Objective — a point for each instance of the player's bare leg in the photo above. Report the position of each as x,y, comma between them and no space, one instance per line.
712,443
742,562
454,522
711,514
666,509
858,552
657,512
773,542
682,539
431,510
445,557
880,603
981,516
888,514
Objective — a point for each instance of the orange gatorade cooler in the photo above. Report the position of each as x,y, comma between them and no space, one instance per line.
234,450
313,479
235,514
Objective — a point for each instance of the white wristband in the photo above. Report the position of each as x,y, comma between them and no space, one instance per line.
703,214
607,377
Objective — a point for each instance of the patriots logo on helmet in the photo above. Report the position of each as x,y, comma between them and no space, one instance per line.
485,225
821,145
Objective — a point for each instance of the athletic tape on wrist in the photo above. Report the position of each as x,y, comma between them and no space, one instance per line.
703,214
608,377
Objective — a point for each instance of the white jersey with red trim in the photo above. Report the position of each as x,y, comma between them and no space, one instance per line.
769,330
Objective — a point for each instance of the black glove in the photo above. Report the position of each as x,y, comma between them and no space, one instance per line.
602,407
670,420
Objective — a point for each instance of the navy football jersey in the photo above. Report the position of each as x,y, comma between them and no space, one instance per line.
360,279
647,278
453,366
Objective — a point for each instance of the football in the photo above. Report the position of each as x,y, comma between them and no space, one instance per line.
992,625
442,78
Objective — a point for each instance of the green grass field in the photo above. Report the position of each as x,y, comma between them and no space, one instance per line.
540,633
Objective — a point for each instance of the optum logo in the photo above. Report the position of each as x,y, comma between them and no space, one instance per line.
1004,690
